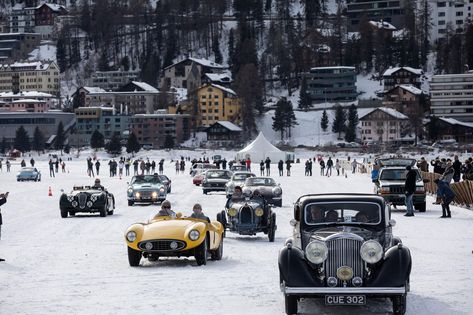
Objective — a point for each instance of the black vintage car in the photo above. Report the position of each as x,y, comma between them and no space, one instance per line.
248,216
87,199
343,251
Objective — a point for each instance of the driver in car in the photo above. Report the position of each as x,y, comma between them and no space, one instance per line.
361,217
331,216
97,185
198,214
317,215
166,210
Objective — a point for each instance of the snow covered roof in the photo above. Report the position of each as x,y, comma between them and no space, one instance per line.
27,100
26,94
392,70
53,6
383,25
229,125
145,86
453,121
93,89
181,93
202,62
219,77
223,88
391,112
37,65
410,88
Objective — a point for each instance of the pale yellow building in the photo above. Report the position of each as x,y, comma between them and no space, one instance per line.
217,103
30,76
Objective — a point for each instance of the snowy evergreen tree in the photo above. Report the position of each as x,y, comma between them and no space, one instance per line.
278,119
324,121
216,49
38,140
132,144
97,140
22,140
60,137
114,147
3,146
305,101
350,134
338,124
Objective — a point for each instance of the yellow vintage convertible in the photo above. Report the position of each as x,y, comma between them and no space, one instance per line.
181,236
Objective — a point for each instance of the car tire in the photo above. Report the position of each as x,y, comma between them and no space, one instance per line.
169,190
223,220
218,253
290,301
272,228
110,212
279,204
63,213
399,304
130,203
201,253
103,211
421,207
134,257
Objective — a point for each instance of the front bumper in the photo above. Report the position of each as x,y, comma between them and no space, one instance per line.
400,199
160,197
214,187
320,291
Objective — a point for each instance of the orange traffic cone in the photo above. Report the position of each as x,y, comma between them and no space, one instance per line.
50,192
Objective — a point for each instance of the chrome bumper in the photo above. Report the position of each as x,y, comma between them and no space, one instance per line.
338,290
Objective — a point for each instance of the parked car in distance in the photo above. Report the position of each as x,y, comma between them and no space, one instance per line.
28,173
342,250
215,180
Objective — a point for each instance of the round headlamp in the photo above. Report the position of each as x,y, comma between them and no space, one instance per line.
161,189
137,195
75,204
345,273
316,252
371,252
93,198
131,236
259,212
277,191
70,198
194,235
232,212
149,245
130,191
89,203
154,194
173,245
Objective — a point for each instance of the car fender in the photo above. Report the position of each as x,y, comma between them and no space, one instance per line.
294,269
395,268
138,228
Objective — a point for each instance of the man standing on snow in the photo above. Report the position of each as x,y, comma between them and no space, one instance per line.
97,167
446,194
329,167
281,167
267,163
51,168
3,200
410,188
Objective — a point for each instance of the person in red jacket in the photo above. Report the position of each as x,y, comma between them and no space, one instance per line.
248,164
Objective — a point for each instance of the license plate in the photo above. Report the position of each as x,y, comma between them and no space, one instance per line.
345,300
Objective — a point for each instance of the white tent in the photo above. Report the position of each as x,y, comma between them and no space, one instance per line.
260,149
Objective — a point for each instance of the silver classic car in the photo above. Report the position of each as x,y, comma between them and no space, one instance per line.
267,187
28,173
343,250
215,180
146,188
238,179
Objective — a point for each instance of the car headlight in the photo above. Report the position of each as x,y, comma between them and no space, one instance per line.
70,198
232,212
154,194
89,203
75,204
130,191
131,236
137,195
93,198
259,212
161,189
384,190
316,252
194,235
277,191
371,252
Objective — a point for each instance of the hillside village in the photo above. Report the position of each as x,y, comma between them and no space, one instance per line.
376,70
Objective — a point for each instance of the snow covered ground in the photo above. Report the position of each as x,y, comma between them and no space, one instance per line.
79,265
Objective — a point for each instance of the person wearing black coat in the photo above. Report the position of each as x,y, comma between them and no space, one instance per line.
3,200
267,164
281,167
456,169
410,188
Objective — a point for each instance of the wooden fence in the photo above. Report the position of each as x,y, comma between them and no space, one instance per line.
463,190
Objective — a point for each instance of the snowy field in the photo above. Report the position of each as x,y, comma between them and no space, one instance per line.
79,265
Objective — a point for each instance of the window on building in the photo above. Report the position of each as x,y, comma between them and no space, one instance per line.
441,4
441,22
460,13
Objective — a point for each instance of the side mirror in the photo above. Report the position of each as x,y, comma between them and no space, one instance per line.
179,215
293,222
392,222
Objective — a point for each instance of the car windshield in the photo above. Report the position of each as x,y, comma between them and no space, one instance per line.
258,181
242,176
28,169
396,174
163,178
342,213
396,162
218,174
151,179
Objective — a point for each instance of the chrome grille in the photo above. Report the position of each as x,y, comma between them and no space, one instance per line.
162,245
397,189
344,252
246,215
82,198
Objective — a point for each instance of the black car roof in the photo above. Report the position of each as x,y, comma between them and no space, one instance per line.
341,197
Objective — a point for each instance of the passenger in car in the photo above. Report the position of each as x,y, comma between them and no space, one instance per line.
198,214
317,215
361,217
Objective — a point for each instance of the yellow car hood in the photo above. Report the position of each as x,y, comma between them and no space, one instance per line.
170,229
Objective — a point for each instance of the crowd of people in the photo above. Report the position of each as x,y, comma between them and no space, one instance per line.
453,170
